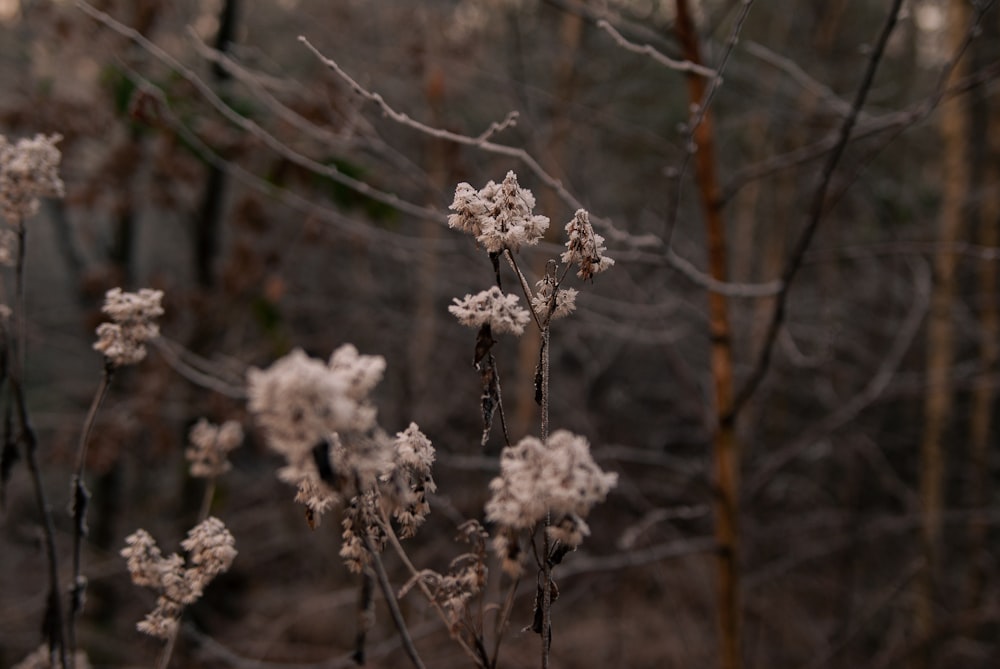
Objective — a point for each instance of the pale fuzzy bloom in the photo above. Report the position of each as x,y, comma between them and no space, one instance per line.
8,247
492,307
210,547
362,372
411,479
536,478
210,446
565,300
569,530
585,248
42,658
467,577
28,170
211,551
133,324
163,621
316,496
360,520
144,560
320,418
133,308
499,216
469,207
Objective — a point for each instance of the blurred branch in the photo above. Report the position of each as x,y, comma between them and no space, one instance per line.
849,410
253,128
650,51
816,211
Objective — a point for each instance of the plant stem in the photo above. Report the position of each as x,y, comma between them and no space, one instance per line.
54,624
398,547
79,499
393,604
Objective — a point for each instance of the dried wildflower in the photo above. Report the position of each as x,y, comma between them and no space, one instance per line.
211,551
28,170
501,312
585,247
210,444
8,247
565,300
321,419
42,658
559,476
133,324
499,216
361,520
411,476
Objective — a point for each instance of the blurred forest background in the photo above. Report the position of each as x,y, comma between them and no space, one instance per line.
792,366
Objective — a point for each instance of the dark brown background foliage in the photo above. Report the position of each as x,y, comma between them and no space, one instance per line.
277,208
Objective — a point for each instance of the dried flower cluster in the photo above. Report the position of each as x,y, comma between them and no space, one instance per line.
210,550
585,248
491,307
561,305
133,323
558,476
499,216
320,417
41,658
29,170
410,479
210,446
465,579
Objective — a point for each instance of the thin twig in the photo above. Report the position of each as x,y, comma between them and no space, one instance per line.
390,534
651,51
392,603
55,621
79,501
816,211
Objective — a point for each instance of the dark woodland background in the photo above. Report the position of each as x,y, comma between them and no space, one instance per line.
868,452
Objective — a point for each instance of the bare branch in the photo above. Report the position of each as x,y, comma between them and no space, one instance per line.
657,56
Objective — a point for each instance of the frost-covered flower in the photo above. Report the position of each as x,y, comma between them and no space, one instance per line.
499,216
123,341
585,248
8,247
210,446
29,170
558,477
320,418
541,302
492,307
410,481
211,552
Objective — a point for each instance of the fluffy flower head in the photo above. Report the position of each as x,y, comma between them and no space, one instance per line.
492,307
29,170
133,323
585,248
500,216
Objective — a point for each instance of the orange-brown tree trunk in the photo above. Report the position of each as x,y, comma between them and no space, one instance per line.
725,449
939,396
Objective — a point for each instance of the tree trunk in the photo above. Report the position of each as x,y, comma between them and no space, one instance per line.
939,396
724,445
983,395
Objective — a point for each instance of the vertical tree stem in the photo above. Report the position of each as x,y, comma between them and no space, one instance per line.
725,450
